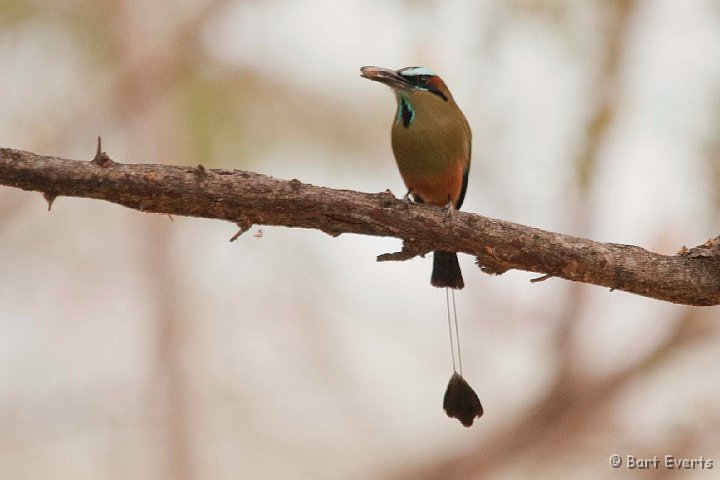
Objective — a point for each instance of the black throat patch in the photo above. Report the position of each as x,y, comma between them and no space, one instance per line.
406,114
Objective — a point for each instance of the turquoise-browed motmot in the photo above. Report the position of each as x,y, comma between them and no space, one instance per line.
431,141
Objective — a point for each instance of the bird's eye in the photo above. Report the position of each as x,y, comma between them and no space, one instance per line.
423,81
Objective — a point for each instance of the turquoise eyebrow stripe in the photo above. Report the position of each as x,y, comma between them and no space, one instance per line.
418,71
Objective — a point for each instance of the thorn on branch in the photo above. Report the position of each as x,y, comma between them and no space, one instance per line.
540,279
201,175
101,158
49,198
490,263
387,198
201,172
409,250
331,232
711,248
295,184
244,225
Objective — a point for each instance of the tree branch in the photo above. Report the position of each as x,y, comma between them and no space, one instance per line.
692,277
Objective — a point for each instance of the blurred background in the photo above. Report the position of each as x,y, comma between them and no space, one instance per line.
136,346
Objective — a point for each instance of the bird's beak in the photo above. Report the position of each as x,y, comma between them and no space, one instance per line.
384,75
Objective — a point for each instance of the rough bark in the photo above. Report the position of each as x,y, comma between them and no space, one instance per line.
691,277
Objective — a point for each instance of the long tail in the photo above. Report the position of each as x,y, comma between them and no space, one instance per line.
446,271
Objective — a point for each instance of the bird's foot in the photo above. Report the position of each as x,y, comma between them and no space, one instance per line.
407,200
449,210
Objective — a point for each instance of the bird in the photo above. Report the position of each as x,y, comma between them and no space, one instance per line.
432,143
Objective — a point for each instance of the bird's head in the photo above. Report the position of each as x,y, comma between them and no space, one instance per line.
409,81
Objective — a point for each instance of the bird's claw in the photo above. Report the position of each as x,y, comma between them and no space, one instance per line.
449,210
407,200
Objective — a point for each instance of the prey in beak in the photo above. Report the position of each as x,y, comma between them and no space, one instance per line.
384,75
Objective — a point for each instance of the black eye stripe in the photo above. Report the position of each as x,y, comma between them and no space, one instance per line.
423,81
419,80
